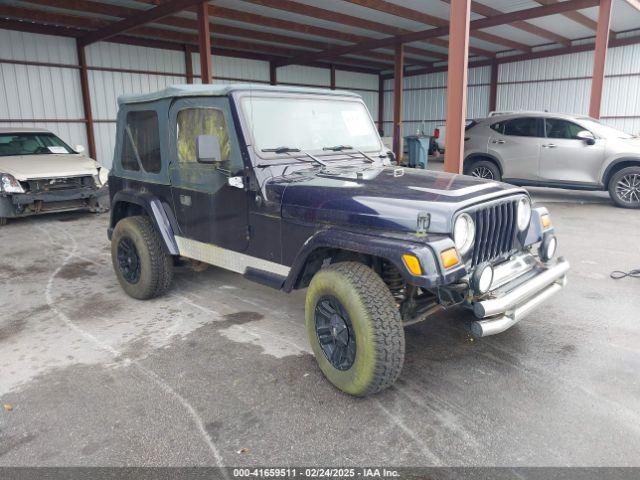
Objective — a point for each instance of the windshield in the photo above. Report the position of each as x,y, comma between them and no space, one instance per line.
31,144
309,124
603,131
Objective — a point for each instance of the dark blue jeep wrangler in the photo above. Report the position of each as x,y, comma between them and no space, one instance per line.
292,188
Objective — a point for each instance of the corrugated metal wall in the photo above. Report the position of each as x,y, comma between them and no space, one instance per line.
44,93
425,100
39,92
34,92
563,84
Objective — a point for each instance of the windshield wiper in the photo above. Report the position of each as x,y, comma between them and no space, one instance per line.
290,150
341,148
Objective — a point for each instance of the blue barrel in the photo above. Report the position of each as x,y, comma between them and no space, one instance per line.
418,147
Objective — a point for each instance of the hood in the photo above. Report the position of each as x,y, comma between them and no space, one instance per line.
51,165
387,198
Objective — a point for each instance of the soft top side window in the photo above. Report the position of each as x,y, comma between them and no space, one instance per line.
192,122
141,142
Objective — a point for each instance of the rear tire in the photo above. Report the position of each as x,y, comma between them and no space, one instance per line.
624,187
142,266
350,310
483,169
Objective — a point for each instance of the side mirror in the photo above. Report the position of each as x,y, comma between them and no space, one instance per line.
208,149
78,148
586,136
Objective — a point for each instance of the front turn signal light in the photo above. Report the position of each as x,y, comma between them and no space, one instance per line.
412,263
449,258
545,220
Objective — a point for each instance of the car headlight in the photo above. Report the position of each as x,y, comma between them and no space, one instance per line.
9,184
524,213
102,177
464,232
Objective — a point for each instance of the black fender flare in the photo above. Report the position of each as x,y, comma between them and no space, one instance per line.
606,176
390,249
488,156
160,215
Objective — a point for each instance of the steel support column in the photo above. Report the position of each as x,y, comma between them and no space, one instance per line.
600,58
86,100
457,84
188,63
204,41
332,74
493,87
398,80
273,73
381,105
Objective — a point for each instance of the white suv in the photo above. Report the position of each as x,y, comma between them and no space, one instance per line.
555,150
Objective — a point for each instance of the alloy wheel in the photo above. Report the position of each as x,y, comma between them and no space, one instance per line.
335,332
482,172
628,189
128,260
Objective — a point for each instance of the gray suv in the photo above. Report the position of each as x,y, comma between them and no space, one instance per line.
555,150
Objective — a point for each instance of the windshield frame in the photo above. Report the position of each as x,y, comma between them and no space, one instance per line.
71,151
284,158
588,123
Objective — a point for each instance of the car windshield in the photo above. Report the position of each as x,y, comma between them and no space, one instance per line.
31,144
309,124
602,130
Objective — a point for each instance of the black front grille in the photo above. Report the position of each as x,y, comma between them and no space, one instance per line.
495,231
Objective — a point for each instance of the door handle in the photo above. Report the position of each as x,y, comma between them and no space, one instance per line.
549,145
498,141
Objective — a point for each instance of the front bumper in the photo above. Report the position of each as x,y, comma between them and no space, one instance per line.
25,204
520,285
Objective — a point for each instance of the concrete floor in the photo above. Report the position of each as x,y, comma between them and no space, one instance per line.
218,372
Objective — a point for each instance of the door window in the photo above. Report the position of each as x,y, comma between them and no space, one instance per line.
141,143
523,127
192,122
557,128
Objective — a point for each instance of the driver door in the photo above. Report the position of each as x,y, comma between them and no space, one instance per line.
208,208
566,158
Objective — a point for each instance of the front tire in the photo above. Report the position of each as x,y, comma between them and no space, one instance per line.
354,328
483,169
624,188
143,268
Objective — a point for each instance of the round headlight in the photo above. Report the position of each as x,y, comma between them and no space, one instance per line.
464,231
524,213
548,248
482,278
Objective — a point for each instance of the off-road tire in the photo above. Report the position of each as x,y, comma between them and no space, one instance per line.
3,221
613,182
484,166
376,322
156,266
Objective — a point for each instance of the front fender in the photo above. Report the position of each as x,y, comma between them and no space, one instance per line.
390,249
160,215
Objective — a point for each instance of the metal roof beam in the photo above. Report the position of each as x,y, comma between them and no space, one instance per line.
142,18
502,19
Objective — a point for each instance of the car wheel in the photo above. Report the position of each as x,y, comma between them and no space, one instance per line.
483,169
624,188
143,268
354,328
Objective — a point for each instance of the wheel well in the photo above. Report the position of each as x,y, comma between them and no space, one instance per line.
125,209
326,256
480,156
611,171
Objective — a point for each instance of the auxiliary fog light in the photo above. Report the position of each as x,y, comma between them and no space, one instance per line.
482,278
548,248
